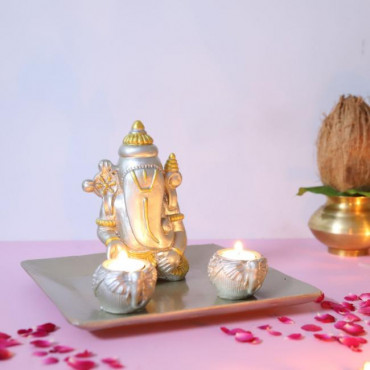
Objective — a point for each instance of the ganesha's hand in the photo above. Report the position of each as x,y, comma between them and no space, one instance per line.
114,248
168,261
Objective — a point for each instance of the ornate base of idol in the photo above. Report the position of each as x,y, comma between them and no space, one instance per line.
343,225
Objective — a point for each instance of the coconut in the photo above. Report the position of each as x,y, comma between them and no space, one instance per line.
343,145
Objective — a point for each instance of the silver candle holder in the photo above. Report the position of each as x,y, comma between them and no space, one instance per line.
237,273
120,291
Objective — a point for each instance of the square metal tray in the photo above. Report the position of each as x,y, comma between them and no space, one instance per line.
67,282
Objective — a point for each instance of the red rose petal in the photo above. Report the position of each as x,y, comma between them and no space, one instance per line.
349,306
5,354
233,331
40,333
295,336
40,353
338,308
41,343
85,354
244,337
24,332
364,296
50,361
350,328
48,327
311,327
326,337
320,298
256,340
264,327
364,311
114,363
365,304
351,297
325,318
61,349
351,341
350,317
80,364
4,335
274,333
285,320
5,343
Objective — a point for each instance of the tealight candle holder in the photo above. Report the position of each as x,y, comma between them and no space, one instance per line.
124,285
237,273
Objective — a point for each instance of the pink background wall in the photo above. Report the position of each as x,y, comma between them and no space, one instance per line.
237,89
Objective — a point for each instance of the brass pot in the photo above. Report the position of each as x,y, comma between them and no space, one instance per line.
343,224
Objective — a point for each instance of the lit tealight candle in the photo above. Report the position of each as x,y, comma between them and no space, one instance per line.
366,365
239,253
124,263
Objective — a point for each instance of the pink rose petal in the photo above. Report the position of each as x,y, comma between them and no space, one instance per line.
311,327
233,331
80,364
325,318
48,327
326,337
10,342
274,333
320,298
349,306
244,337
4,335
50,361
338,308
364,311
114,363
85,354
285,320
351,297
41,343
5,354
350,328
295,336
350,317
364,304
40,353
351,342
256,341
40,333
364,296
264,327
61,349
24,332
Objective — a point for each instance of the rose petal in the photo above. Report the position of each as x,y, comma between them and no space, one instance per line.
4,335
338,308
285,320
40,333
114,363
320,298
256,340
349,306
41,343
364,296
274,333
365,304
295,336
61,349
80,364
351,341
350,317
364,311
311,327
5,354
233,331
10,342
244,337
50,361
326,337
351,297
264,327
40,353
48,327
350,328
85,354
325,318
24,332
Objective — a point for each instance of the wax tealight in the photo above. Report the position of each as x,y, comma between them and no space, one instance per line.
123,263
239,253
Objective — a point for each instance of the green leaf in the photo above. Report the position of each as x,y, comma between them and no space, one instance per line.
330,192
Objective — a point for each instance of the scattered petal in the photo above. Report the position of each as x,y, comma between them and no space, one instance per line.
10,342
80,364
325,318
364,310
40,333
50,361
41,343
48,327
364,296
350,328
311,327
295,336
233,331
4,335
264,327
285,320
351,342
24,332
5,354
61,349
274,333
114,363
326,337
244,337
351,297
85,354
40,353
320,298
349,306
350,317
338,308
256,340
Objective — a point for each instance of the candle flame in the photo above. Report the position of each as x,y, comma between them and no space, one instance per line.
122,256
366,365
238,246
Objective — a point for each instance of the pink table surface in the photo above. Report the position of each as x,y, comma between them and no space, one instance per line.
196,343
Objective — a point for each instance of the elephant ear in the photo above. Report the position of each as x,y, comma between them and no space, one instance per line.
235,270
117,283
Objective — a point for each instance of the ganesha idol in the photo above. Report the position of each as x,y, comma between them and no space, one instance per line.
139,212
